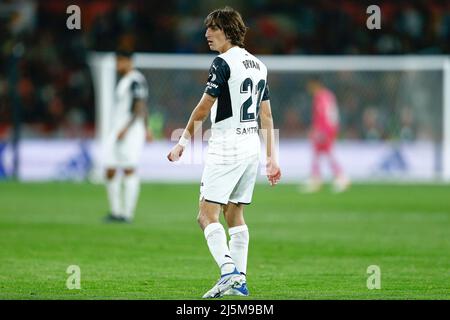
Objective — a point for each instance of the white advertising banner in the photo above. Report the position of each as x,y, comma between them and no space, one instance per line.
42,160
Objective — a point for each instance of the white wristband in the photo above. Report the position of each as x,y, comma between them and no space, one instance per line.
183,141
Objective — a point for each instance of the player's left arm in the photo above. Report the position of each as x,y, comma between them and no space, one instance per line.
199,114
139,107
272,168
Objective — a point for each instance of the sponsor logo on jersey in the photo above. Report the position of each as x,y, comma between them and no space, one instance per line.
210,84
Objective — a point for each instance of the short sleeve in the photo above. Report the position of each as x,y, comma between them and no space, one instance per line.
266,95
139,90
219,74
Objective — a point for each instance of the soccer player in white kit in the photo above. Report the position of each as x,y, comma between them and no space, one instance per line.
127,135
236,94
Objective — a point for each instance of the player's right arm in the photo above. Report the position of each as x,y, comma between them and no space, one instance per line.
199,113
219,73
272,168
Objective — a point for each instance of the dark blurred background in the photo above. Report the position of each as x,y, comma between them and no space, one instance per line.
54,85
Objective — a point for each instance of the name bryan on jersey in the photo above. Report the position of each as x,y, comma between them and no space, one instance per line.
250,64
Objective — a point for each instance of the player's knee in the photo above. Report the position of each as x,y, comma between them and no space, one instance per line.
234,215
236,220
202,220
205,218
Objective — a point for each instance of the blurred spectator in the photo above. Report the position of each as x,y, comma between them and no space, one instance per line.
371,124
53,76
55,86
407,125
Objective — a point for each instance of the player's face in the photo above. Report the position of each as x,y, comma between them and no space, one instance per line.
123,64
217,41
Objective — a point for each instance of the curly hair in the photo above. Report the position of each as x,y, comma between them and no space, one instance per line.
230,21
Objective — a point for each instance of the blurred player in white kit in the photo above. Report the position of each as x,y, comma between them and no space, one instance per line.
127,135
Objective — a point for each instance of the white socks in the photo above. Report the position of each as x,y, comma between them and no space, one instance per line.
217,243
123,202
131,193
239,239
234,256
113,189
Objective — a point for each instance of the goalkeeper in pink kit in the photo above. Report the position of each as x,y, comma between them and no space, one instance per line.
325,128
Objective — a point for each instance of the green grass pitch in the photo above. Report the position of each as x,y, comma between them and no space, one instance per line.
301,246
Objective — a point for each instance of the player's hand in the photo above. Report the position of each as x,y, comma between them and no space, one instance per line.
122,134
273,171
175,153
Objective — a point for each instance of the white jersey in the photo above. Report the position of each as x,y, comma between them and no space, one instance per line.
126,153
239,81
130,87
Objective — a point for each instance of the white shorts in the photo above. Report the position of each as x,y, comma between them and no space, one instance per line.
127,152
223,183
